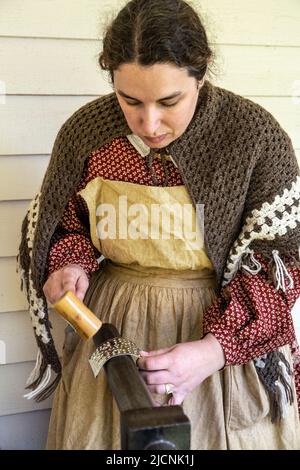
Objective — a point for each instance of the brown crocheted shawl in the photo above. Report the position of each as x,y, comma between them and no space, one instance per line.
234,158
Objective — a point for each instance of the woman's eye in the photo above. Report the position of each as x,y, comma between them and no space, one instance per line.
169,105
166,104
132,103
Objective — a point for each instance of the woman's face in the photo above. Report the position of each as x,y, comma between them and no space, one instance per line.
158,101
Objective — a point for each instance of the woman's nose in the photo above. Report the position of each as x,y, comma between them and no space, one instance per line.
150,122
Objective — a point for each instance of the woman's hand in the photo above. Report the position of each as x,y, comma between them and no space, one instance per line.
184,366
71,277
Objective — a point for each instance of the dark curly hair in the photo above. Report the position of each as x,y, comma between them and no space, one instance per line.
156,31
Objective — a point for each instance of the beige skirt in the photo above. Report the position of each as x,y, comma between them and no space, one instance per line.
157,308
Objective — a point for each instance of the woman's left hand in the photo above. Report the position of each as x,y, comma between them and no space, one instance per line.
183,366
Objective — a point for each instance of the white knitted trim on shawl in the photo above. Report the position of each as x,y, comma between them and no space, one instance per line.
36,305
289,199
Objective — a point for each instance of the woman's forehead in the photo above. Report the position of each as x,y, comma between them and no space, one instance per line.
157,81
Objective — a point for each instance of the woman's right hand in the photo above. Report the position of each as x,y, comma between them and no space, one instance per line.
71,277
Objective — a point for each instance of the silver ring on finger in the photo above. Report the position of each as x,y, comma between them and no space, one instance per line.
169,389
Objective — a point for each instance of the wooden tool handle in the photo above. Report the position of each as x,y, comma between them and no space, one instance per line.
79,315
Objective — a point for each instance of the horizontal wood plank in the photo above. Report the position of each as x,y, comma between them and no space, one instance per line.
56,18
11,297
31,123
14,433
266,22
36,120
11,215
247,70
13,379
16,336
21,176
254,71
36,73
227,21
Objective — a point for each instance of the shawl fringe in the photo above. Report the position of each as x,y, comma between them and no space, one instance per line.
280,275
40,378
275,374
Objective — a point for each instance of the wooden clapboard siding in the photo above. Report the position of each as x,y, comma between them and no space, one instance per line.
13,382
16,334
11,297
30,123
236,68
14,433
56,18
21,176
75,59
255,71
11,216
266,22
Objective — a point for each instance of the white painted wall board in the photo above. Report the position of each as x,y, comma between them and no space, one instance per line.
246,70
55,18
255,71
228,21
16,333
14,433
31,123
13,381
267,22
11,297
11,215
52,67
21,176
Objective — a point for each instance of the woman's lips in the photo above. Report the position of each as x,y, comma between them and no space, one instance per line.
155,140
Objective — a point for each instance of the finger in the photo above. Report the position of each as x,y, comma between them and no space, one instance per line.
161,389
82,286
156,378
160,362
157,352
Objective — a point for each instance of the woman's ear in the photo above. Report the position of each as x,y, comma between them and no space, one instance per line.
200,83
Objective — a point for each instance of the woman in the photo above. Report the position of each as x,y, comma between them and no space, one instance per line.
210,309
